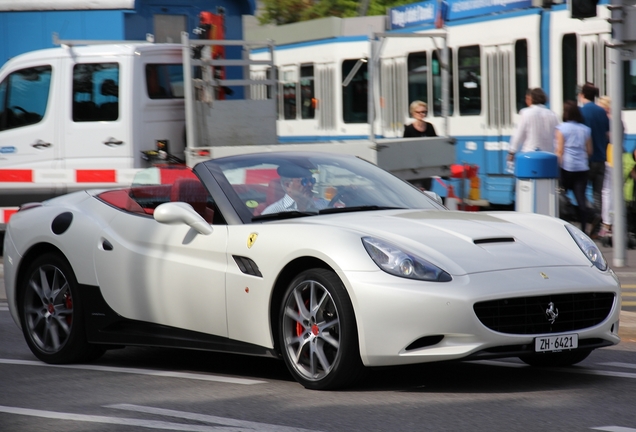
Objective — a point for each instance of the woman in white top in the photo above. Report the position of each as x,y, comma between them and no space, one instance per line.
573,148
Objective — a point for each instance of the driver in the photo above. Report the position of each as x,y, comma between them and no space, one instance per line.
298,185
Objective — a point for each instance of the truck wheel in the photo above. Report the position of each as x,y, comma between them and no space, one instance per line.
318,333
51,313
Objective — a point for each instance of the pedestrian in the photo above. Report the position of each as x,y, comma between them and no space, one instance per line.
419,127
596,119
535,130
607,205
573,149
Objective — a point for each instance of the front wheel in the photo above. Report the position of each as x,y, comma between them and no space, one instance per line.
51,313
317,332
567,358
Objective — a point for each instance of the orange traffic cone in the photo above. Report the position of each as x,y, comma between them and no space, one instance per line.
452,202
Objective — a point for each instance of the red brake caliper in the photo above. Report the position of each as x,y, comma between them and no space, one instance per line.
299,326
68,301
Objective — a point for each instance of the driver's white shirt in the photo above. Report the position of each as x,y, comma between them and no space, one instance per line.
287,203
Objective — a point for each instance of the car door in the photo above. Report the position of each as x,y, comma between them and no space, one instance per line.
97,132
164,274
29,119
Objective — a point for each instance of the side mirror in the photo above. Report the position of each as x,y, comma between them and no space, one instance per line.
434,196
172,213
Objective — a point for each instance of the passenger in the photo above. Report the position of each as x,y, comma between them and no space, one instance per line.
298,184
573,148
535,130
419,127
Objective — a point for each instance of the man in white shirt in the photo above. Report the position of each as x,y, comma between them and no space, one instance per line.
298,184
536,127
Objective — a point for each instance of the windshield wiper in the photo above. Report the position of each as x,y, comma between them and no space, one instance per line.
283,215
358,208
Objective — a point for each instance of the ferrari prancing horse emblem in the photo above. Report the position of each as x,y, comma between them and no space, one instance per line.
251,239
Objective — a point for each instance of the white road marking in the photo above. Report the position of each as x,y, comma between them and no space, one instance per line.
182,375
564,369
153,424
243,425
614,429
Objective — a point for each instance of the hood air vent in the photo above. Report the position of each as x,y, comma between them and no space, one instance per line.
495,240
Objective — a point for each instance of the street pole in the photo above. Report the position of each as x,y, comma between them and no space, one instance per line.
619,229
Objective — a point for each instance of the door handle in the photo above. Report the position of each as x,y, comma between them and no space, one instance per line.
39,144
113,142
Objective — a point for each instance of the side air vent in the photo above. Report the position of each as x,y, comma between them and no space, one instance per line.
425,341
495,240
247,266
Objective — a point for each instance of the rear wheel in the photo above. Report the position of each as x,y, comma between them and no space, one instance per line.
567,358
51,313
317,332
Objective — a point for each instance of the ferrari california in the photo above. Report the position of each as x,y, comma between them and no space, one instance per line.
324,261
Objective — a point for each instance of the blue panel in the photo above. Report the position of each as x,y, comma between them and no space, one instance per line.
20,41
98,25
545,54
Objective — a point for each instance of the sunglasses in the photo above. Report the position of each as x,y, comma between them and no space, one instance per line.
308,181
421,112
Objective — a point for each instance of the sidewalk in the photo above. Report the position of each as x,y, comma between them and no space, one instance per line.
627,329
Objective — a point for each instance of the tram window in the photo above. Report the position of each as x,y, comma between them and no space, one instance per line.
417,77
437,84
521,72
289,96
629,84
469,77
569,65
354,96
307,97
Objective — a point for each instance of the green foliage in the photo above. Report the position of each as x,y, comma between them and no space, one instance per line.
289,11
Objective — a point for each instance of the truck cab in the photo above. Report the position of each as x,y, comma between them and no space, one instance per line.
83,107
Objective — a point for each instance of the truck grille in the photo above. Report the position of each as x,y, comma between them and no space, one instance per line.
527,315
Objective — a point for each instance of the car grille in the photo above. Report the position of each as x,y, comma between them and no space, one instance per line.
527,315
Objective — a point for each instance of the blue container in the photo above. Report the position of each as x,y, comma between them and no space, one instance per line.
536,165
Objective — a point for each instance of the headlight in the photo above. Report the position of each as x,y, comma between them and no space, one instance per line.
395,261
588,247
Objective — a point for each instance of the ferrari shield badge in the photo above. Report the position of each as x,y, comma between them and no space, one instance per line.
251,239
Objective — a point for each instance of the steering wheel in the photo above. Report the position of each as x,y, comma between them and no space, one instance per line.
342,193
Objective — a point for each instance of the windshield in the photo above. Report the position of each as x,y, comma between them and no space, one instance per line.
283,185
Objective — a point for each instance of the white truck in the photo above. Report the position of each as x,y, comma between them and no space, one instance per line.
91,114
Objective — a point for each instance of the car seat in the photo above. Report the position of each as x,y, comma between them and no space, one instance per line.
192,192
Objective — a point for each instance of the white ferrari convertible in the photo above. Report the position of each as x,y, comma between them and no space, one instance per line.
325,261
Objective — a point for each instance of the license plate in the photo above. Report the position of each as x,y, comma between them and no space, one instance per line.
556,343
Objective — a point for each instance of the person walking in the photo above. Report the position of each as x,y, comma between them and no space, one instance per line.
573,149
607,205
596,119
535,130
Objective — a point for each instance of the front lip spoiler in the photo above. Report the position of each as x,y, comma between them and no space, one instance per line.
527,349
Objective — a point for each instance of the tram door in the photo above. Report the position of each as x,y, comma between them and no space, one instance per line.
499,85
393,102
593,60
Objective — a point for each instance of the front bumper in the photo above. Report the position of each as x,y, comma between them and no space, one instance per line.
401,321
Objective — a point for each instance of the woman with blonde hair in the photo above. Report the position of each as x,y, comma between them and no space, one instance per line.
419,127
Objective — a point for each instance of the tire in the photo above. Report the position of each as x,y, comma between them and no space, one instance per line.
51,313
567,358
317,332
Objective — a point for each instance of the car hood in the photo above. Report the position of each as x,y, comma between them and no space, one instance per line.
463,242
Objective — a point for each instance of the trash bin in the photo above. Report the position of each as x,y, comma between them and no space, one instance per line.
537,176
